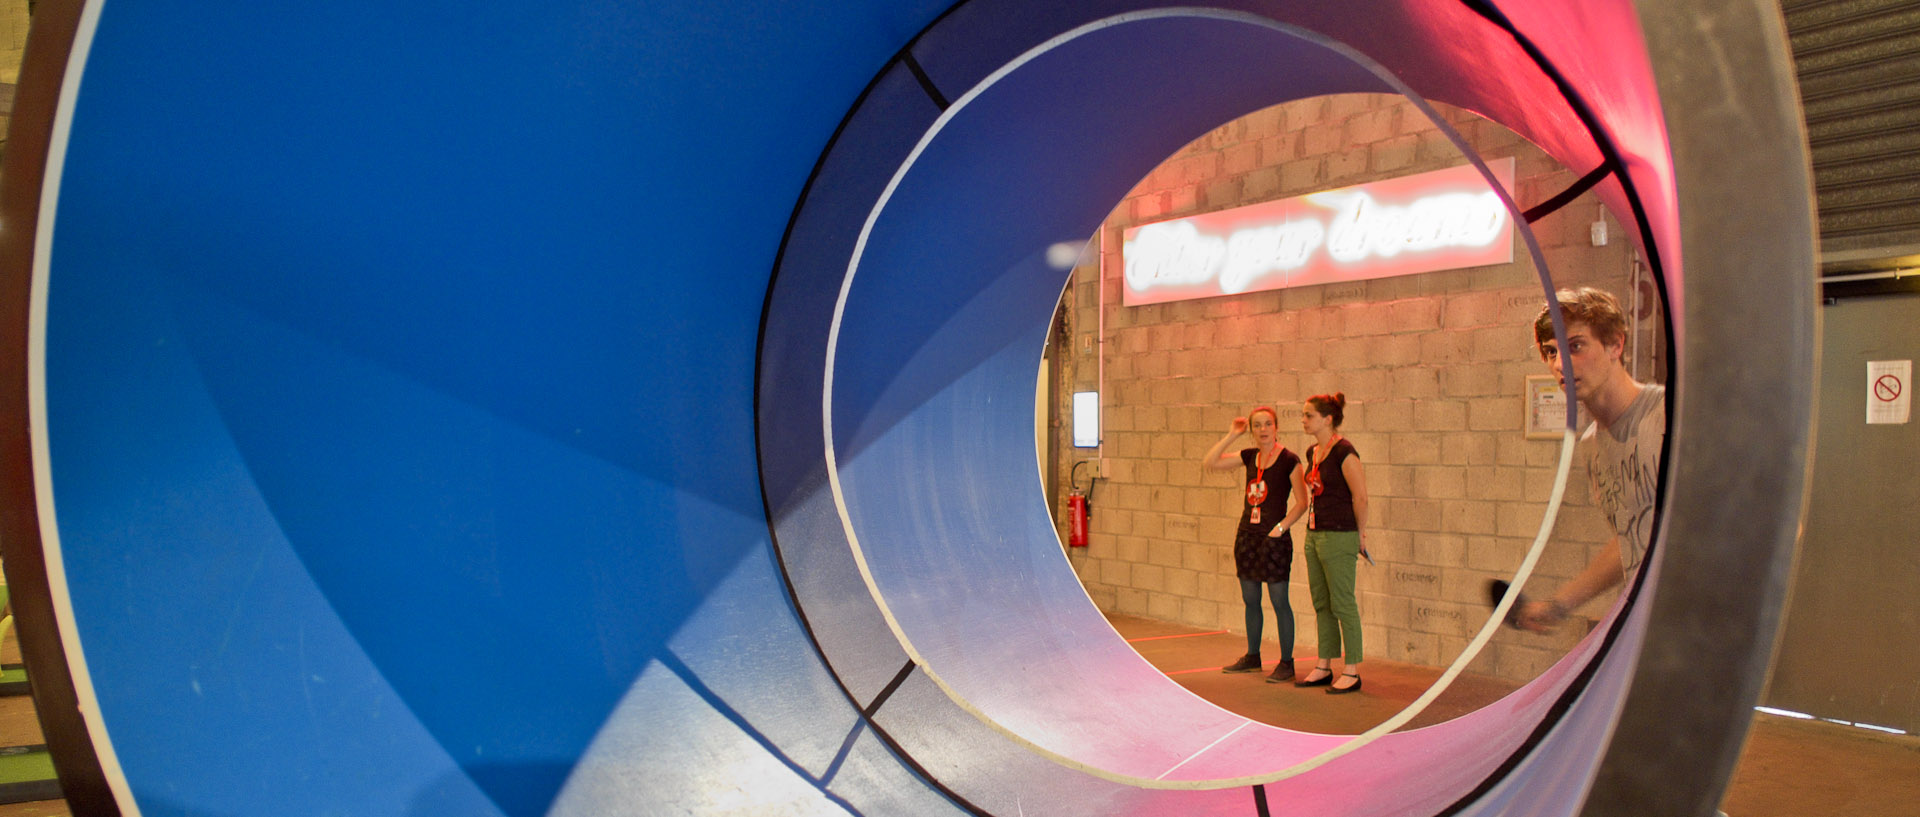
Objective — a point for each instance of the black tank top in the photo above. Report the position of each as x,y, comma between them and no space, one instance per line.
1266,491
1333,502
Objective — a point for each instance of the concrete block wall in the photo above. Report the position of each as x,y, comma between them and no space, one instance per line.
13,48
1433,366
13,39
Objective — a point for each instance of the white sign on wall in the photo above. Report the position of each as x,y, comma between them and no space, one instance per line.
1889,391
1445,219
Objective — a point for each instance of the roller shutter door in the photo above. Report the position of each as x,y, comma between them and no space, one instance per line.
1859,67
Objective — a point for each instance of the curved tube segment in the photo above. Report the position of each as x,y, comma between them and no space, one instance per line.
963,561
441,430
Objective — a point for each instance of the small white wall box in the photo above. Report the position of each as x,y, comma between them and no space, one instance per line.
1086,419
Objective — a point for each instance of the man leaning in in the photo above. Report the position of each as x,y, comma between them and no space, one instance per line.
1621,447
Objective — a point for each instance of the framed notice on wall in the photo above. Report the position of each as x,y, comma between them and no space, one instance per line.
1546,409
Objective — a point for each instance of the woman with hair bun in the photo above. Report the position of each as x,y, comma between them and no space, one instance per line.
1273,477
1336,539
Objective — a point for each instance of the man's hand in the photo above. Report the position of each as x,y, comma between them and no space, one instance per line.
1539,616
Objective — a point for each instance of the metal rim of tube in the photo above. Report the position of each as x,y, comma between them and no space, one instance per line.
1740,440
43,76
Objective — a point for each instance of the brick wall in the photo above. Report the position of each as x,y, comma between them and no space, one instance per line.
13,48
1433,366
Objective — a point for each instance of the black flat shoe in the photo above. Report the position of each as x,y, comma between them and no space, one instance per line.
1334,690
1247,663
1325,680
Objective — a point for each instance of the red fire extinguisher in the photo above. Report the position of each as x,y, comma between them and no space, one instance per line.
1079,507
1077,510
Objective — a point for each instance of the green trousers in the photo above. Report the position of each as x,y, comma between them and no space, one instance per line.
1332,558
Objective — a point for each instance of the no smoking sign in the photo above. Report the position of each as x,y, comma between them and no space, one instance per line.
1887,397
1886,388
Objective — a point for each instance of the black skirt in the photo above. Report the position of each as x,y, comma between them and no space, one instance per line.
1261,558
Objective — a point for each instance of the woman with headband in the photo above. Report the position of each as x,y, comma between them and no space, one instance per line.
1273,482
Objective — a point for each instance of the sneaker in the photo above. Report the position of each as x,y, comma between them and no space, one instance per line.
1247,663
1282,672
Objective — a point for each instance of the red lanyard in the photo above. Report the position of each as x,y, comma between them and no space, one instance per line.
1313,474
1314,485
1259,477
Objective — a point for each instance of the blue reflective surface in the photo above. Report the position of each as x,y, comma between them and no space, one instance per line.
359,325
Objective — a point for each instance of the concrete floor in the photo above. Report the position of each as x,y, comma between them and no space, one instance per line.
1789,767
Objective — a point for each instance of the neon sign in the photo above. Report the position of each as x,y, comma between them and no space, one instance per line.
1447,219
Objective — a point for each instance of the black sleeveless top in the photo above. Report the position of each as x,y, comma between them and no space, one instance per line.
1333,502
1267,490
